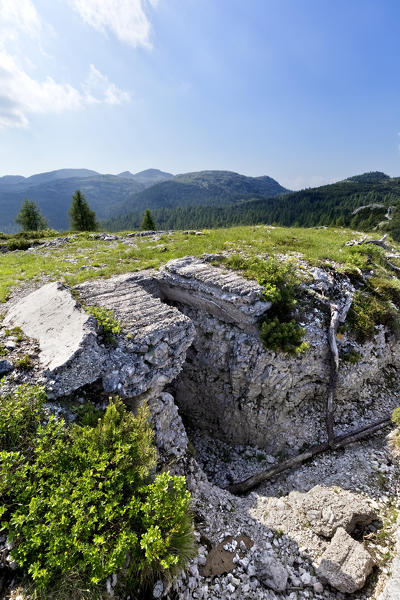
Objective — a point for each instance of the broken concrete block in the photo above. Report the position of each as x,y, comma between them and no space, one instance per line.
345,564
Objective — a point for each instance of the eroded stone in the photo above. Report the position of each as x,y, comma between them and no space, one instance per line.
345,564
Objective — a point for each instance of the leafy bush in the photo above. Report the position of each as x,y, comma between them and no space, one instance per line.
84,499
109,326
278,330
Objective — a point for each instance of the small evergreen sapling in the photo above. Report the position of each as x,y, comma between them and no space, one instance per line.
29,217
81,217
148,221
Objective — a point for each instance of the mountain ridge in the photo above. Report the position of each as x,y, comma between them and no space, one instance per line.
112,195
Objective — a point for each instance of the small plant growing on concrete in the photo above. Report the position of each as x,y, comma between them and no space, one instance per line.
108,324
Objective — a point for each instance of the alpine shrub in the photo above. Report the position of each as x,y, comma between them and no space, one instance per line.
84,498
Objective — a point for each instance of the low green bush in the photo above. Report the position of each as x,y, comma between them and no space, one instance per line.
83,502
108,324
369,309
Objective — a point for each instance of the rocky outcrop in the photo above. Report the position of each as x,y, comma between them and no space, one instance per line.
196,325
345,564
155,336
241,392
214,291
70,352
327,509
149,352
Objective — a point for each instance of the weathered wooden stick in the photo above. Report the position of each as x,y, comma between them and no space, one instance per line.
333,327
392,266
380,242
339,442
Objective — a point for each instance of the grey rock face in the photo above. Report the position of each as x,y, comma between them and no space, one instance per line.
215,291
326,509
69,350
151,348
271,572
243,393
155,336
170,435
345,564
5,367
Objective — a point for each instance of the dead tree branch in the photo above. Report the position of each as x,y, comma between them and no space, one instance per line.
339,442
381,242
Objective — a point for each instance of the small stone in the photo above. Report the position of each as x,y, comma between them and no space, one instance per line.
272,573
158,589
5,367
306,578
318,587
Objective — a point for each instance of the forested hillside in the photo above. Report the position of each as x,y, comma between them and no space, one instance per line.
327,205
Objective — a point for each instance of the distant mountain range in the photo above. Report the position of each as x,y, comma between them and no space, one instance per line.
335,204
113,195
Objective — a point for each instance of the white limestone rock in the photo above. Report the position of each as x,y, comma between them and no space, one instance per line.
345,564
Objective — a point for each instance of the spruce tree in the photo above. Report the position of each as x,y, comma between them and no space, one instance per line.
81,217
148,221
29,217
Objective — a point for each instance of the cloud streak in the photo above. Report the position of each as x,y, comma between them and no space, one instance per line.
21,95
18,17
126,19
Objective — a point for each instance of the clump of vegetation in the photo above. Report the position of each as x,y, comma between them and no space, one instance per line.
370,309
82,500
15,332
278,330
350,356
24,363
108,324
395,435
3,350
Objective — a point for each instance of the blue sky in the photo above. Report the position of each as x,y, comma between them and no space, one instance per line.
306,91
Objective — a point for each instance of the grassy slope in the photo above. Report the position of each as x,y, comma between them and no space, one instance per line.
96,258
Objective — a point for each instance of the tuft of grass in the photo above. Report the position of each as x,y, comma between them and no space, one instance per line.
24,363
15,332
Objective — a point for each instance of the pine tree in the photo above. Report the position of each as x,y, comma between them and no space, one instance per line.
29,217
81,217
148,221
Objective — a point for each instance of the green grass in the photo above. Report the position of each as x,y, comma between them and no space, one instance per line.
105,259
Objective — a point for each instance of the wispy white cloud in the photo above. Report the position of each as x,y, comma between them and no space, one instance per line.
18,16
98,89
21,95
126,19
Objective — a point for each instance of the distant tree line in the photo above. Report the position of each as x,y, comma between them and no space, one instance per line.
332,205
